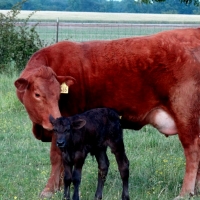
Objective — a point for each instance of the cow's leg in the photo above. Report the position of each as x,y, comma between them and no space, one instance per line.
185,104
118,150
54,181
103,165
197,185
190,143
76,174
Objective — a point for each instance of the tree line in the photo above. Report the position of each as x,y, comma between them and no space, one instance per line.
125,6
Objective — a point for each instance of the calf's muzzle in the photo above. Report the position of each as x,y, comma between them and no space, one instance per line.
60,143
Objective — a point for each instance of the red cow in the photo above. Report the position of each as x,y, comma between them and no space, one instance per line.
148,80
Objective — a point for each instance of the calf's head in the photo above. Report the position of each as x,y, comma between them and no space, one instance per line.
40,93
64,129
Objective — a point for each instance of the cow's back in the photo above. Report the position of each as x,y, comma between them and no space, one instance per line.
131,75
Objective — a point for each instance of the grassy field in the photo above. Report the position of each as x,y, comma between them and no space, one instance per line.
99,31
82,26
156,162
108,17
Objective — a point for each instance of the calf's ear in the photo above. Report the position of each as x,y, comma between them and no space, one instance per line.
78,123
51,119
21,84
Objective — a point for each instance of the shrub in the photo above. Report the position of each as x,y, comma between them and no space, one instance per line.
18,41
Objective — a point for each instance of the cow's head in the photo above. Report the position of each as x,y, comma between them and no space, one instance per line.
64,129
40,93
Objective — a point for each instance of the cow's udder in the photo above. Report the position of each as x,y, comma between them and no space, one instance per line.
162,121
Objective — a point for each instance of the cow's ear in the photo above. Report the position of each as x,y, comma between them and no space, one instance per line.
51,119
78,123
21,84
69,80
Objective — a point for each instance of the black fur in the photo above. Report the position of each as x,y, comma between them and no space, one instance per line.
91,132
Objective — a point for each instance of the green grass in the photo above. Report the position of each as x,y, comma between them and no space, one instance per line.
156,162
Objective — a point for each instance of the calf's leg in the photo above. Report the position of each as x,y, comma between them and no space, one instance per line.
54,181
118,150
76,174
103,165
67,180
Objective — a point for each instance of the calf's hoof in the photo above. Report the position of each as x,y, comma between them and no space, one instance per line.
126,198
97,198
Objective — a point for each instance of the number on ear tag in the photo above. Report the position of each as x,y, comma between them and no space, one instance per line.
64,88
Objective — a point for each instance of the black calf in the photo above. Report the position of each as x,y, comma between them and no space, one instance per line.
91,132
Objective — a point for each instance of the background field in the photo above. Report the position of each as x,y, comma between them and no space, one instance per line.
50,32
108,17
156,162
55,26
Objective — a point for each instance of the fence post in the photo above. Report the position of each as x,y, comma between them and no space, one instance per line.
57,29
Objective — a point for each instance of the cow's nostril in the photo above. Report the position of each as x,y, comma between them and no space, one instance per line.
60,143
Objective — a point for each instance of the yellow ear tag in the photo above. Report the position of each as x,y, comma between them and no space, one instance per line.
64,88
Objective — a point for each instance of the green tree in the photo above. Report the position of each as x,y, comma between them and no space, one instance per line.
4,5
17,41
195,2
145,6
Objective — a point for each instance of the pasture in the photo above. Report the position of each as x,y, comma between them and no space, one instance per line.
98,31
83,26
156,162
107,17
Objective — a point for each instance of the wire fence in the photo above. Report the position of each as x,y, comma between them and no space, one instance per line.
51,32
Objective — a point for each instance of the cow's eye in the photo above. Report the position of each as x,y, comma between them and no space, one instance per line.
37,95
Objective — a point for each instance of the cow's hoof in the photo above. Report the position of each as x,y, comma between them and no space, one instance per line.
46,194
178,198
187,197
